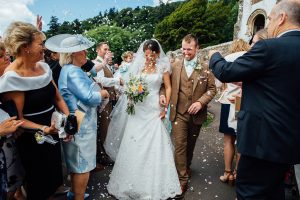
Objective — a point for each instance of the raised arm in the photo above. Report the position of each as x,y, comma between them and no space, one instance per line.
245,68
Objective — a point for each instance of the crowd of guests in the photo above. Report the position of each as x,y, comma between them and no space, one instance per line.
40,76
31,91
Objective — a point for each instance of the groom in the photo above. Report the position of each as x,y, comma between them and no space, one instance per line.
193,87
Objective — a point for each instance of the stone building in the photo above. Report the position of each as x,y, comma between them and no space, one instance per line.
252,16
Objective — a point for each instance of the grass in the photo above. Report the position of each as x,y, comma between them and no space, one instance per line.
210,118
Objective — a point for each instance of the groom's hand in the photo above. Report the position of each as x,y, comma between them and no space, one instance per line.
194,108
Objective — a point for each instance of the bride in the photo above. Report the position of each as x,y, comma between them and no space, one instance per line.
144,166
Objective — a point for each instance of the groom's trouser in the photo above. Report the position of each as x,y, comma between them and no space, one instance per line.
185,134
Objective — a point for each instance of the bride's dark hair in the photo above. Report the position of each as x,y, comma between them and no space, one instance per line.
151,45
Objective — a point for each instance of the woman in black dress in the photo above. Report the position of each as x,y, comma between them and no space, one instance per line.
29,84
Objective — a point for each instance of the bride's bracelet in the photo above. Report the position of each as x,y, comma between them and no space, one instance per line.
43,129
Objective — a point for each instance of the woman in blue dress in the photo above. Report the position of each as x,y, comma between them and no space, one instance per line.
82,96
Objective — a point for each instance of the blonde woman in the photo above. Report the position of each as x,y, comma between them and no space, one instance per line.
237,48
262,34
28,83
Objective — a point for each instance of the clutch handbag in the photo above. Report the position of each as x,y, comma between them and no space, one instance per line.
64,124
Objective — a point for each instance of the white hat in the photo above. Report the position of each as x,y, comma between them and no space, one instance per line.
67,43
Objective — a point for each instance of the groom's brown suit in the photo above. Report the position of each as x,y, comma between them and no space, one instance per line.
200,86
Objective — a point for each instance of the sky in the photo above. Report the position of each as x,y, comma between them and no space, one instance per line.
65,10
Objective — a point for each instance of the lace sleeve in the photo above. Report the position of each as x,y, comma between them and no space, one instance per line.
164,65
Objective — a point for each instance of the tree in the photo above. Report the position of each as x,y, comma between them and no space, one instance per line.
125,17
119,40
53,26
76,27
139,21
65,28
201,18
187,18
112,13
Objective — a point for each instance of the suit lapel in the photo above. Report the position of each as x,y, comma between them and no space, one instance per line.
197,72
177,73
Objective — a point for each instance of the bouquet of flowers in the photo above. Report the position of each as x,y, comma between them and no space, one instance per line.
136,90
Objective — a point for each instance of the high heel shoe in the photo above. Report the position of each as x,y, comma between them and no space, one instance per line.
224,178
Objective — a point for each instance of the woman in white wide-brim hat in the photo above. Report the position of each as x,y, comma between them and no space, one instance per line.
82,96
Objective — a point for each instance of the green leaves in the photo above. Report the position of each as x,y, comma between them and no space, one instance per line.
119,40
124,30
211,21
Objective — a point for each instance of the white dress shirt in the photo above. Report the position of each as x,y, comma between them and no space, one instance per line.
105,82
190,65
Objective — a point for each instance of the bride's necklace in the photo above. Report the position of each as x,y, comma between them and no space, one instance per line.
150,69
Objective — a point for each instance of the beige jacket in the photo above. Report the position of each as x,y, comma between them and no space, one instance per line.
203,89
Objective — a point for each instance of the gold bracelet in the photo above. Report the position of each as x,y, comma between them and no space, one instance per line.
43,129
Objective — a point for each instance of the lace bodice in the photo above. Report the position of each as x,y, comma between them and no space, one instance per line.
154,81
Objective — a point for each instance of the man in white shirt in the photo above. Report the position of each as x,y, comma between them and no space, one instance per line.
103,57
106,79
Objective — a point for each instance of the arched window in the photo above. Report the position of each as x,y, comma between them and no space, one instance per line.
256,21
259,23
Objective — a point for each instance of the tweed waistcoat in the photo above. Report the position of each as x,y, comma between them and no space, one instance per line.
110,90
185,92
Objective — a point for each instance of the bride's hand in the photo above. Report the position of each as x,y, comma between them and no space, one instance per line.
162,100
162,114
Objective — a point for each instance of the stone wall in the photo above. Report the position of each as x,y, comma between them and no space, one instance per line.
223,48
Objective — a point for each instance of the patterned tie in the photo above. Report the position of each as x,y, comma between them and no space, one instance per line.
190,63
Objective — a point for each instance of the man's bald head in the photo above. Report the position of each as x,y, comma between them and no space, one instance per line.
291,8
284,16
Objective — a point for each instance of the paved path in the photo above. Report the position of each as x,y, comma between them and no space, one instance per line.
206,167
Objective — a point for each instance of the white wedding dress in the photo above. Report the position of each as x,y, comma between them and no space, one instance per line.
144,166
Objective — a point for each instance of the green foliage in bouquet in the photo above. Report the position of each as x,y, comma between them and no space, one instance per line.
136,91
